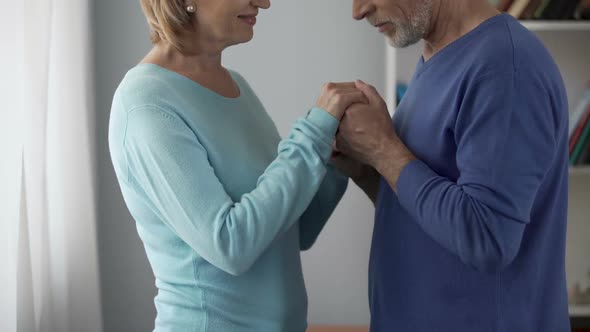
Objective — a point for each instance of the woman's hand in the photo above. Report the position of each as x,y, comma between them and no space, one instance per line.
337,97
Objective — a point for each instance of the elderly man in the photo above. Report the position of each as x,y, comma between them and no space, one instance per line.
470,178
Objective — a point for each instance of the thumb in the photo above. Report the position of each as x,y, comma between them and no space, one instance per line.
335,147
369,91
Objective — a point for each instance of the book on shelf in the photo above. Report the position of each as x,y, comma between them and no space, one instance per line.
541,9
583,12
580,141
559,10
584,158
545,9
579,132
578,113
517,8
504,5
529,11
582,144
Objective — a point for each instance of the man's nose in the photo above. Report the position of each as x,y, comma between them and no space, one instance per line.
361,8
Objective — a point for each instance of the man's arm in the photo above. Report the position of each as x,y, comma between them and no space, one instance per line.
369,183
364,176
505,146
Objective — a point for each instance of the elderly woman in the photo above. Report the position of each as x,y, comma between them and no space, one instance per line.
222,204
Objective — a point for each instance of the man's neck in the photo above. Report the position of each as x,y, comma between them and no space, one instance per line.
453,19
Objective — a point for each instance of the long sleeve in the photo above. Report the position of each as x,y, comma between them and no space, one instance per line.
321,207
506,143
166,161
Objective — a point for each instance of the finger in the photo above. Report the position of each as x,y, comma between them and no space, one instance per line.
369,90
332,90
343,90
344,85
335,147
331,86
350,99
339,157
339,143
346,90
347,99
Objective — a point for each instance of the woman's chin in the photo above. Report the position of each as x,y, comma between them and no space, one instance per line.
245,37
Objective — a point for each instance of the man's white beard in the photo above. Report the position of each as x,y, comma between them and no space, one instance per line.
411,33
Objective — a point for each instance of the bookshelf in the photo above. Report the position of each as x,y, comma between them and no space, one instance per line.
579,311
580,171
569,43
557,26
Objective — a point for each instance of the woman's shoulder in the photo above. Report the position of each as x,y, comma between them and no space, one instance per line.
142,86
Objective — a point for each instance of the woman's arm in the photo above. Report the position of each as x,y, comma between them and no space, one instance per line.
321,207
170,167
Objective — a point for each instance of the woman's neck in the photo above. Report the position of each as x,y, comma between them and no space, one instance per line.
187,63
202,67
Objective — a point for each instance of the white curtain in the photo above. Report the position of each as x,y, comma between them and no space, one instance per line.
47,196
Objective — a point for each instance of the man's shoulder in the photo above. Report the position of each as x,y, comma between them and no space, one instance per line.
494,50
508,46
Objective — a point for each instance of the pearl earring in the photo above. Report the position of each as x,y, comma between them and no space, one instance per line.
191,9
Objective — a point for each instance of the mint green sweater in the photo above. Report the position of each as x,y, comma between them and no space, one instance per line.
222,204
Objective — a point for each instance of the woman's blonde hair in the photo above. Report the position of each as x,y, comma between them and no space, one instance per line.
167,19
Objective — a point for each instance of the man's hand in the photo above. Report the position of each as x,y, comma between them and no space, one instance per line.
365,176
352,168
337,97
366,134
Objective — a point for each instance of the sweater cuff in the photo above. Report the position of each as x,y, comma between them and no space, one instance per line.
411,183
324,120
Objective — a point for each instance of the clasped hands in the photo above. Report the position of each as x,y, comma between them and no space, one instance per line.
366,139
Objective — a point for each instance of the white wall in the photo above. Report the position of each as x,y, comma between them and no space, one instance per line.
127,282
299,45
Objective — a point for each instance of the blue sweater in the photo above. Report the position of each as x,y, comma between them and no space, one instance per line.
474,240
222,205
